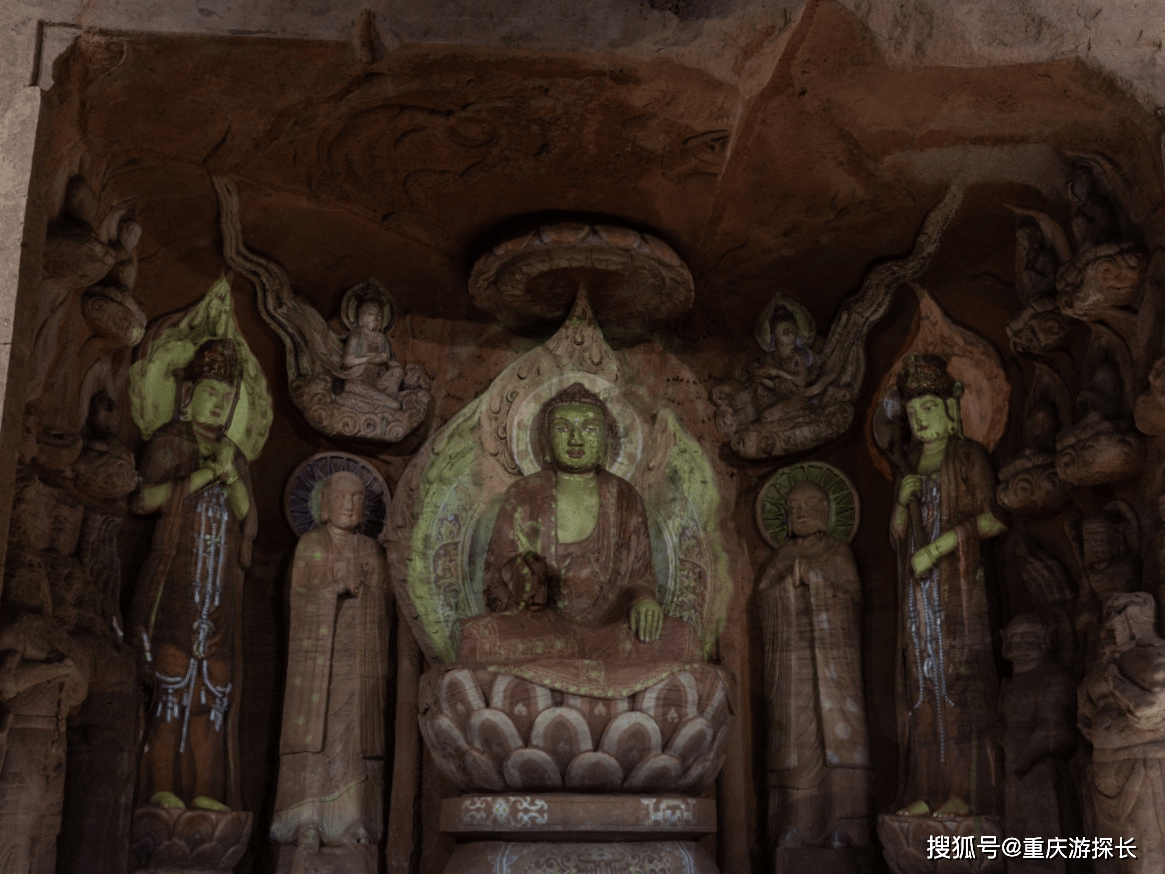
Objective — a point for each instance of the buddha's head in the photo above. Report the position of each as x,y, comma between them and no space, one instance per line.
576,430
370,315
931,397
785,331
342,501
211,382
807,510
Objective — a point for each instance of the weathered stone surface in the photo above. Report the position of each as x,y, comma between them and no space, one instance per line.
633,857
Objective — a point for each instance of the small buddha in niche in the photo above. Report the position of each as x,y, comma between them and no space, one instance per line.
371,370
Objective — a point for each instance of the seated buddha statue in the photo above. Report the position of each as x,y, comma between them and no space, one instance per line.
568,571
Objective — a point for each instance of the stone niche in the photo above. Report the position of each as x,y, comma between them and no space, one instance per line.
797,167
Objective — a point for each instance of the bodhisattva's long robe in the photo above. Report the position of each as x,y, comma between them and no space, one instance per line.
593,584
331,752
948,678
189,605
818,760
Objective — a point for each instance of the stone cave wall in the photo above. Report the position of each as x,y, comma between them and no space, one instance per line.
811,157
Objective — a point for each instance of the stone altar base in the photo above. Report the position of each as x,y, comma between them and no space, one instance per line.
543,857
352,859
822,860
579,834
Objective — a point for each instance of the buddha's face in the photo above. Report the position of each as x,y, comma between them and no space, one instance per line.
211,403
785,336
930,418
370,316
807,510
577,436
343,503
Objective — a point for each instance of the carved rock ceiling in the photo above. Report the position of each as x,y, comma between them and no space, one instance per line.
403,166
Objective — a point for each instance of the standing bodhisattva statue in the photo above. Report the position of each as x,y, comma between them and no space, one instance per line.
188,604
568,572
948,680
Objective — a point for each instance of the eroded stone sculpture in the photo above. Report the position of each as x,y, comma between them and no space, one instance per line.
809,598
350,387
801,394
1107,546
1038,714
568,571
1121,710
201,402
41,685
1102,446
1041,247
331,762
775,386
945,509
1029,483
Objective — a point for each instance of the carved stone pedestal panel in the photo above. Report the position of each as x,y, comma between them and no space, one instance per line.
577,817
822,860
352,859
632,857
188,841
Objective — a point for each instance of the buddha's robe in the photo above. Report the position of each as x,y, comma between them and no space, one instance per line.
590,587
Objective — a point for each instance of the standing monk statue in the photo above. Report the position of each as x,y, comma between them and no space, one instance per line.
568,571
331,752
948,678
818,761
188,604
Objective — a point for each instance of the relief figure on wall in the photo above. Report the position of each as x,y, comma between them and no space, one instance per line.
948,678
809,597
41,685
188,603
568,571
1121,710
1038,715
774,386
331,752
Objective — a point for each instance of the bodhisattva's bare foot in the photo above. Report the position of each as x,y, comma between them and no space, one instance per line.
167,799
205,802
954,806
918,808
